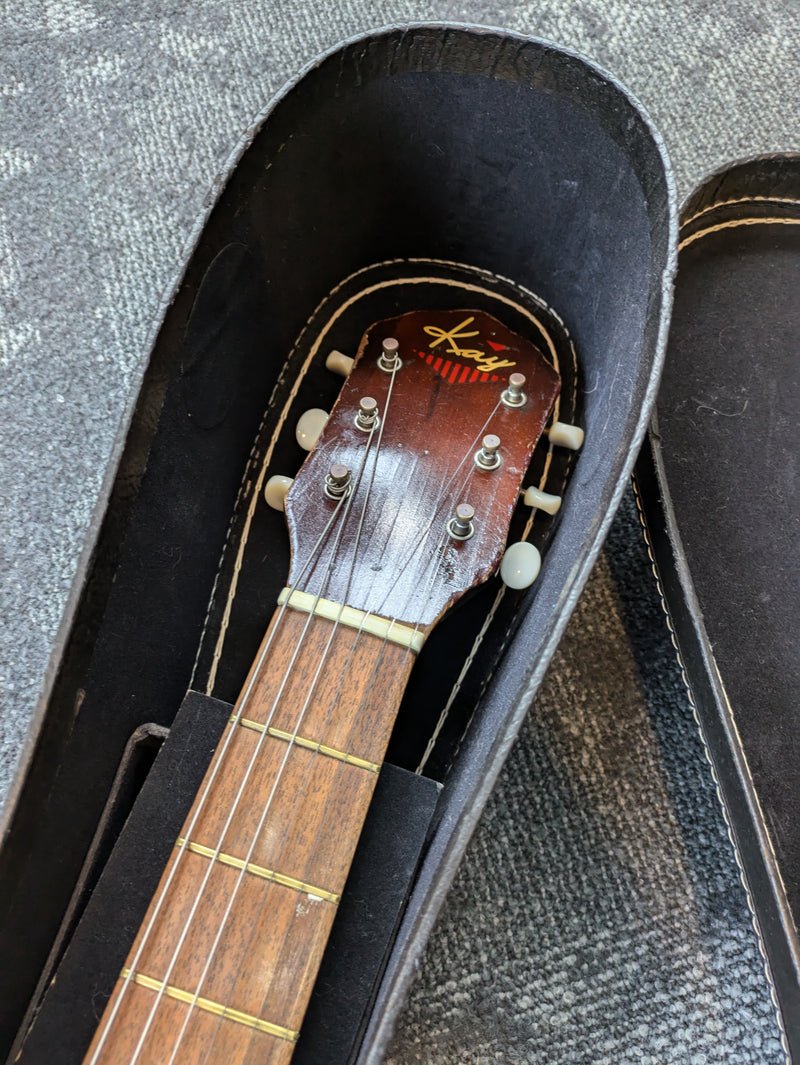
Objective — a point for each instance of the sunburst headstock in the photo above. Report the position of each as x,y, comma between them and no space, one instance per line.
453,431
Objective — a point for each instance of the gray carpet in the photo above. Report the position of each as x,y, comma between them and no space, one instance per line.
599,916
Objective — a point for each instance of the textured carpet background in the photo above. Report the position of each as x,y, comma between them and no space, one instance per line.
599,915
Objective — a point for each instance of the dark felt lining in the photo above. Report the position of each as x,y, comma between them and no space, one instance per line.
371,903
531,165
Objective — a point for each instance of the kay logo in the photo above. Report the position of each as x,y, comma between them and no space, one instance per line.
485,363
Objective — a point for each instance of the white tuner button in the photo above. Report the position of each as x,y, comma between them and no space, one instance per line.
535,497
309,426
275,491
562,434
520,566
338,362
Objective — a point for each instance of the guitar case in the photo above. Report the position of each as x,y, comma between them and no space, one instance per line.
718,484
424,167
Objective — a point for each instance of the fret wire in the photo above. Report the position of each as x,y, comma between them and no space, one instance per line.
281,767
386,634
310,745
367,615
225,1012
260,871
108,1024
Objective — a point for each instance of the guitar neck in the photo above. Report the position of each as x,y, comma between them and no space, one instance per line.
402,506
224,963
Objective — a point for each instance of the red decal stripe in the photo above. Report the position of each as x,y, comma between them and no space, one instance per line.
474,376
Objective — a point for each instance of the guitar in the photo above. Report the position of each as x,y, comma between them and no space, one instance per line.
401,508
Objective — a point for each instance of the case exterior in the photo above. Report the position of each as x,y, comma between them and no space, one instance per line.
718,485
586,165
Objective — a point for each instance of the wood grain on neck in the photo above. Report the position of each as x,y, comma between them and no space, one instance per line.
315,746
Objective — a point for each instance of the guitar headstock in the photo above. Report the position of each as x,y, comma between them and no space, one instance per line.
405,501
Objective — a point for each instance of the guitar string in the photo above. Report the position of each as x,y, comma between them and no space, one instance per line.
302,713
342,507
376,667
206,789
555,415
476,644
256,918
289,746
435,560
434,568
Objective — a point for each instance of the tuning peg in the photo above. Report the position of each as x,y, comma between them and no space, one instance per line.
309,426
535,497
520,566
275,491
562,434
513,396
338,362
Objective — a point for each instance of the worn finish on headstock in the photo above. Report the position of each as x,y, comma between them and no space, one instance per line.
408,477
225,960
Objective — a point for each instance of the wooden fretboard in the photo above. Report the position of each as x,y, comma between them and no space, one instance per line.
253,902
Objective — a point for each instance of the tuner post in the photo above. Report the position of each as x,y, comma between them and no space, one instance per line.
488,458
461,526
389,358
367,418
513,395
337,481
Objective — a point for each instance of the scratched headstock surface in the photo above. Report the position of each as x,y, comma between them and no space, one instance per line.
389,551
